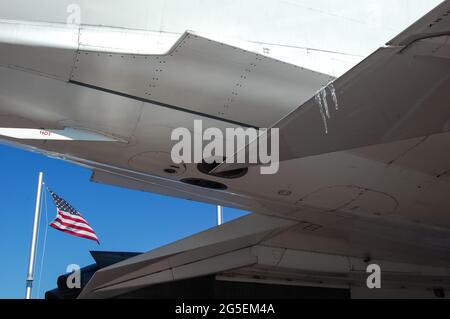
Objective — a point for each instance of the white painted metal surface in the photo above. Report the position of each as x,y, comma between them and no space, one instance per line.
204,76
383,99
389,201
233,259
194,73
67,134
311,33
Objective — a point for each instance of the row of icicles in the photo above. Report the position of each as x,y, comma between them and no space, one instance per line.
322,101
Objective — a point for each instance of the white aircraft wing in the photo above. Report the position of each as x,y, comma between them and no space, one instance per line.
193,74
270,250
399,92
365,174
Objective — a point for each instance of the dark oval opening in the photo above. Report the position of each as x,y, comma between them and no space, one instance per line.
205,168
204,183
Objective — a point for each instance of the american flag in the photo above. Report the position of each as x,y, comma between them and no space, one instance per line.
70,221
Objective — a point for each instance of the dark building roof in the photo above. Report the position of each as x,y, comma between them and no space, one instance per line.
102,259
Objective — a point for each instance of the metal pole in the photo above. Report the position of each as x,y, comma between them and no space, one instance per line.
219,215
34,238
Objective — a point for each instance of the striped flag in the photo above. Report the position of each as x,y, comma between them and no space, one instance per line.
70,221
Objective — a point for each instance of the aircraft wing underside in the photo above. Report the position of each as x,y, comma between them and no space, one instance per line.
365,171
399,92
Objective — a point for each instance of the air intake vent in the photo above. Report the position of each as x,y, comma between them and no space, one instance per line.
204,183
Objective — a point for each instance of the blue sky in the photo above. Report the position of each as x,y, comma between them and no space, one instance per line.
125,220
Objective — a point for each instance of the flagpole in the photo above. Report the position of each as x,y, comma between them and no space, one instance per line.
29,282
219,215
